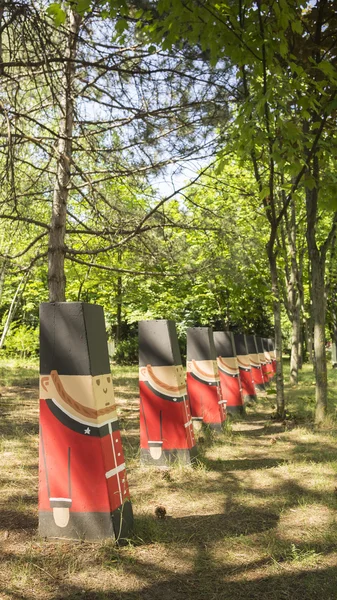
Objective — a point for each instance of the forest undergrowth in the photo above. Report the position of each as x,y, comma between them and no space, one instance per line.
254,518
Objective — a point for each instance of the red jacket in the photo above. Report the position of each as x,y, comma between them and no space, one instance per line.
206,399
164,419
81,465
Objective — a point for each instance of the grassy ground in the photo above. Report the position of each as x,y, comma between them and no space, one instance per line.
255,518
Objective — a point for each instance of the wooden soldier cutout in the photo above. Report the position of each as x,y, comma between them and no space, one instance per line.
270,370
203,382
255,364
83,490
263,361
248,389
228,371
166,431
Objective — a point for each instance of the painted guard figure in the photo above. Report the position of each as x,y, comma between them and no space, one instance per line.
248,389
166,431
203,382
228,371
255,364
263,361
83,490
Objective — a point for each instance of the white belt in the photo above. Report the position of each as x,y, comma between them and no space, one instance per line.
60,500
188,424
115,471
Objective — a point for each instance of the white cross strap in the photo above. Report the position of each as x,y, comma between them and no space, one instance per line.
113,472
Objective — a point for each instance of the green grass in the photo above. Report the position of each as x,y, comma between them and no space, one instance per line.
255,517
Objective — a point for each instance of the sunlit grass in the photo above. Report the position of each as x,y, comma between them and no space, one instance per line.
254,518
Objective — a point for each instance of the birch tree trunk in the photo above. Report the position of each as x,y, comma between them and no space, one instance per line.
56,247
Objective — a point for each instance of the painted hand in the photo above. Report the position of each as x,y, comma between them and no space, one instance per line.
61,516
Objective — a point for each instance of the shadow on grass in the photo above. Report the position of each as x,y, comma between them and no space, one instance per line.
16,516
310,585
203,576
244,464
317,451
200,529
17,520
271,427
20,430
189,541
205,579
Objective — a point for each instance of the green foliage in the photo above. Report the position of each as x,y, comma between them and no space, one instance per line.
57,13
22,341
126,352
82,6
202,259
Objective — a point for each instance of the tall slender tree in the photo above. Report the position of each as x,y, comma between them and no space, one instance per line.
57,233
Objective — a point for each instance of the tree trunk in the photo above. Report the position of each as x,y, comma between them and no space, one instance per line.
300,346
119,310
295,342
280,408
318,302
56,248
295,296
301,307
308,339
334,341
318,310
293,278
2,276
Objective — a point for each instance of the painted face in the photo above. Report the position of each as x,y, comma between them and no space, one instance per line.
79,387
229,362
82,396
103,391
169,380
206,369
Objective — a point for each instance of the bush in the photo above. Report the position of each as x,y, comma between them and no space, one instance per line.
22,341
126,352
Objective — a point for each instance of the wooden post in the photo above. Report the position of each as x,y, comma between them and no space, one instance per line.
228,371
166,431
203,381
248,389
83,490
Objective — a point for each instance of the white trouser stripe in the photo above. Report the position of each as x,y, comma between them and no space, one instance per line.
113,472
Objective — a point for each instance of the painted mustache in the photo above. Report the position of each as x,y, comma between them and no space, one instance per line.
86,411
